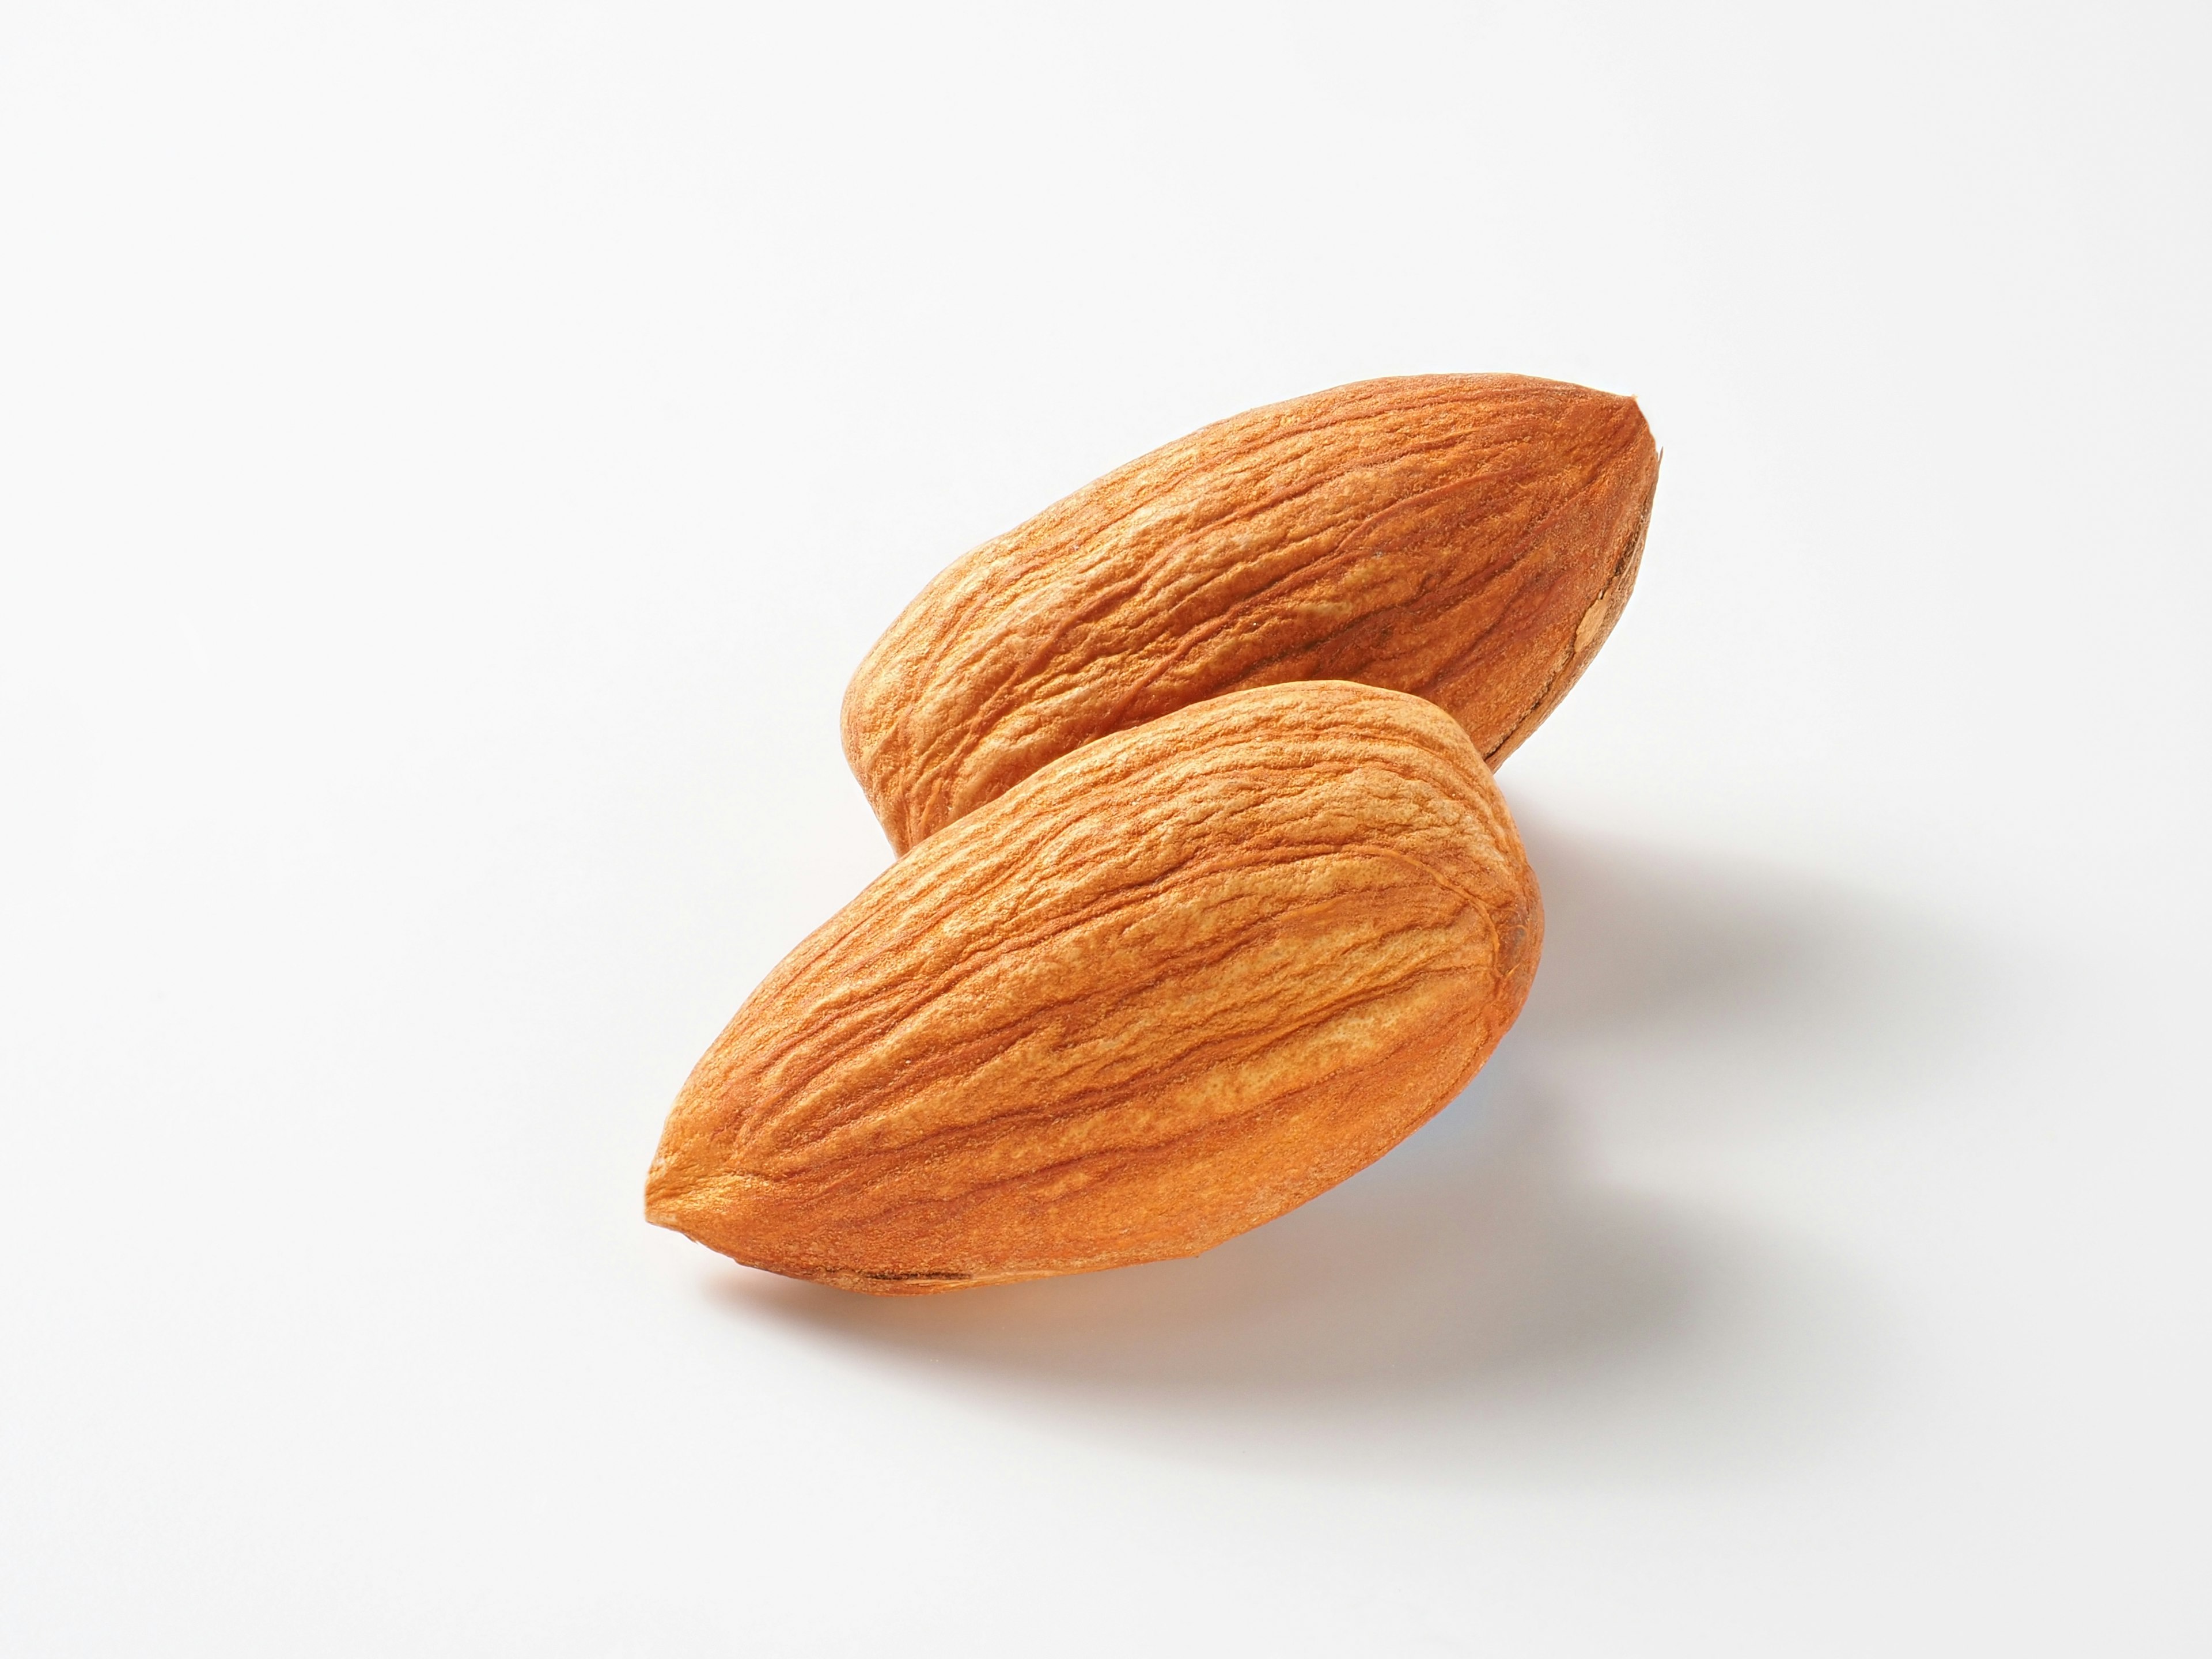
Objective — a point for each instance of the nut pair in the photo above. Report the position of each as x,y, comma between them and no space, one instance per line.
1207,897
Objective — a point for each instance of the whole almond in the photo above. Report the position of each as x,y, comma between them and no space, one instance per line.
1469,538
1163,990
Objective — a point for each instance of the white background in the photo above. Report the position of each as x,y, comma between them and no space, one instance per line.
451,458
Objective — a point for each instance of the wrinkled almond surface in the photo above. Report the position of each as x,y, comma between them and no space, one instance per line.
1163,990
1468,537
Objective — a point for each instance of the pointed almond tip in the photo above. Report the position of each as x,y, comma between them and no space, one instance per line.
675,1205
667,1185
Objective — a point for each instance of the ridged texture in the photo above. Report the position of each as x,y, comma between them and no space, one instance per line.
1160,991
1469,538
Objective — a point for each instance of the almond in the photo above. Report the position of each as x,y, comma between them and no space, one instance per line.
1470,538
1160,991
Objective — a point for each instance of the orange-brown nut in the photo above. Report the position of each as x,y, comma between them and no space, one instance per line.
1160,991
1468,537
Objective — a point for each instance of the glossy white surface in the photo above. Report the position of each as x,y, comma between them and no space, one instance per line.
451,458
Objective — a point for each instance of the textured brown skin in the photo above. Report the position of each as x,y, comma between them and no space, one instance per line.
1468,537
1162,991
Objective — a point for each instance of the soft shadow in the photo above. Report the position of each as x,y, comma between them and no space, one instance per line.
1681,993
1481,1300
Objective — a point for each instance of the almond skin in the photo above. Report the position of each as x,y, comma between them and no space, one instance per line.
1470,538
1159,992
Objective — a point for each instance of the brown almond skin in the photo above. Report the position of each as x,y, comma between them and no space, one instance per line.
1163,990
1470,538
